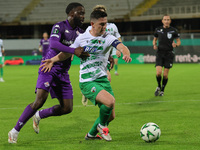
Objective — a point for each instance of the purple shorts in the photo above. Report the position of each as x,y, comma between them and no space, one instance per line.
58,84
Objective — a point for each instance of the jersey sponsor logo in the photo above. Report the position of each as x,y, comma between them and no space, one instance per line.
67,42
93,89
46,84
89,49
169,35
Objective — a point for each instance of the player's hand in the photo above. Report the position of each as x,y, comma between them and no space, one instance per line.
118,53
174,44
47,65
79,52
111,60
155,47
127,58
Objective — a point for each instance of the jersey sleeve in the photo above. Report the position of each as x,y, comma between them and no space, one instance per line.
40,42
56,32
55,37
176,35
110,39
156,33
117,35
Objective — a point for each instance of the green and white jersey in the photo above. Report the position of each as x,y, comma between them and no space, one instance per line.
113,30
94,66
1,45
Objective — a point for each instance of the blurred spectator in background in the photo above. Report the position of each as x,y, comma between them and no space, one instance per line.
44,44
1,60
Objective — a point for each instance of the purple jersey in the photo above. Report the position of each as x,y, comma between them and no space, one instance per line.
63,33
57,81
45,46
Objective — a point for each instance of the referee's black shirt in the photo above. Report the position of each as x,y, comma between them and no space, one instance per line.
166,37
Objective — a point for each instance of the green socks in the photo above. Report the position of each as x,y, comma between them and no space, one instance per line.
1,72
104,115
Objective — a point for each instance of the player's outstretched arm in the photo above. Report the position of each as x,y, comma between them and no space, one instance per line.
48,63
125,51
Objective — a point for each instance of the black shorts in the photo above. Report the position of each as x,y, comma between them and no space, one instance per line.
165,59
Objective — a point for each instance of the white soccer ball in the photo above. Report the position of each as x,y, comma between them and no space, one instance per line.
150,132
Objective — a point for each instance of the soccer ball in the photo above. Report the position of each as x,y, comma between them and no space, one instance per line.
150,132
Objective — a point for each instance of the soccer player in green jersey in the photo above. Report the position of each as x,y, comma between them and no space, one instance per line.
112,29
1,60
93,80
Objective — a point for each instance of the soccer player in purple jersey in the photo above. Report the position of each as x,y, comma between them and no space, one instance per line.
57,80
44,44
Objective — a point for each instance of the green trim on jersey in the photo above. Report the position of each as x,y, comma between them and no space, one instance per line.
90,74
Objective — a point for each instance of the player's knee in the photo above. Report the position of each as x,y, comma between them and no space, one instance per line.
36,105
67,110
111,103
165,76
159,73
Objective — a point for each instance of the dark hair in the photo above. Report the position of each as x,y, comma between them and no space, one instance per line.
72,6
166,15
96,14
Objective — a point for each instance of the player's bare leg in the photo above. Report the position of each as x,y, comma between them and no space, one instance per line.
108,75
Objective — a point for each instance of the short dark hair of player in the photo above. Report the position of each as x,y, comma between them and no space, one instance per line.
72,6
96,14
166,15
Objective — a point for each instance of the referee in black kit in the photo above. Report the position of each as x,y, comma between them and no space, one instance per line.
165,55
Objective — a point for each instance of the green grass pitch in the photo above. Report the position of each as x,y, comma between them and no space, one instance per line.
177,113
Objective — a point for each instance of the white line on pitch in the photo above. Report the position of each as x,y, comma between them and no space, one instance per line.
121,103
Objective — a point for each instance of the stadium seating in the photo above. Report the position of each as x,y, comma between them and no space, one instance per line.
9,9
51,11
176,9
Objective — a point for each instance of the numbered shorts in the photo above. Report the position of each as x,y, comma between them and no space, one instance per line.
165,59
91,89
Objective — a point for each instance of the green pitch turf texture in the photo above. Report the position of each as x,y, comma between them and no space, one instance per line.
177,112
